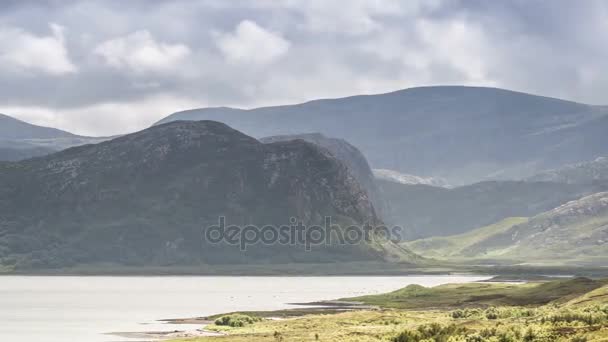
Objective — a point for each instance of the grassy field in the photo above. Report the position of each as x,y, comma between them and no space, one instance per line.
455,246
569,310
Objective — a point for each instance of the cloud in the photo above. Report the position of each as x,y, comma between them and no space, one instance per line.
140,52
93,120
250,43
121,69
21,51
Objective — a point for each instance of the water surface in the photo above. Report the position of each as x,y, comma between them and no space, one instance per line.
83,309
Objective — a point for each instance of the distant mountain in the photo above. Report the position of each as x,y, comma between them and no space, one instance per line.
402,178
11,128
426,211
145,198
463,134
21,140
347,153
580,173
576,232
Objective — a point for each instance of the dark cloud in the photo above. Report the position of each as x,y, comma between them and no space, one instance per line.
104,67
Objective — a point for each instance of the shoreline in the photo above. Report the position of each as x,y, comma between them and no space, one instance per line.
353,269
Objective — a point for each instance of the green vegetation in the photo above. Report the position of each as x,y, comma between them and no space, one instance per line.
236,320
568,310
456,245
571,234
481,294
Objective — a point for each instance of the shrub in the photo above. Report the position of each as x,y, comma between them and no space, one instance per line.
236,320
491,313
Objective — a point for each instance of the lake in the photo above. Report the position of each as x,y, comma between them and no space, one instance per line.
83,309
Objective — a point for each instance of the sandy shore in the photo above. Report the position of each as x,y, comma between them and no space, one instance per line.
200,322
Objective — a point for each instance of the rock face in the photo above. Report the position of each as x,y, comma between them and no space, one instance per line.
580,173
576,231
144,198
350,155
463,134
426,211
21,140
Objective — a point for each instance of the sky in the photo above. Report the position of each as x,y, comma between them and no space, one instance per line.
111,67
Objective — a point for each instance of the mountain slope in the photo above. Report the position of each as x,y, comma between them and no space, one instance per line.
21,140
456,245
11,128
580,173
144,199
576,232
425,211
345,152
463,134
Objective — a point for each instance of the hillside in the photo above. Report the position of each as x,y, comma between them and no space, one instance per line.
580,173
462,134
455,246
21,140
426,211
11,128
576,232
145,198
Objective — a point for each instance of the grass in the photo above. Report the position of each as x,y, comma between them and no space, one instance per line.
568,310
456,245
481,294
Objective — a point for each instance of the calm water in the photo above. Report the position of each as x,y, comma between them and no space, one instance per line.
84,308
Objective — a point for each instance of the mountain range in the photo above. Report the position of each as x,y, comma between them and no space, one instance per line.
462,134
426,211
444,161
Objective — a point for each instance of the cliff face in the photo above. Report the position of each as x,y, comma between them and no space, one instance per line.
144,198
352,158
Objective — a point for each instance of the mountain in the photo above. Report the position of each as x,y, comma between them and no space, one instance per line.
21,140
347,153
146,198
425,211
11,128
402,178
462,134
580,173
576,232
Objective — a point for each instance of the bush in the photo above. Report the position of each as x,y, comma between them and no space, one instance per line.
236,320
491,313
431,332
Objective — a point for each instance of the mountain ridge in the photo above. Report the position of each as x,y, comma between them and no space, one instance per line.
463,134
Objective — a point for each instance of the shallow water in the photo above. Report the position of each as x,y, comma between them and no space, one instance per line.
83,309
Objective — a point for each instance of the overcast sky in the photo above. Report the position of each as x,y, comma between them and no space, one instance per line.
109,67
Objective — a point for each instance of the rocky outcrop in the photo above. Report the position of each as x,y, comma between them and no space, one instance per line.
404,178
348,154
